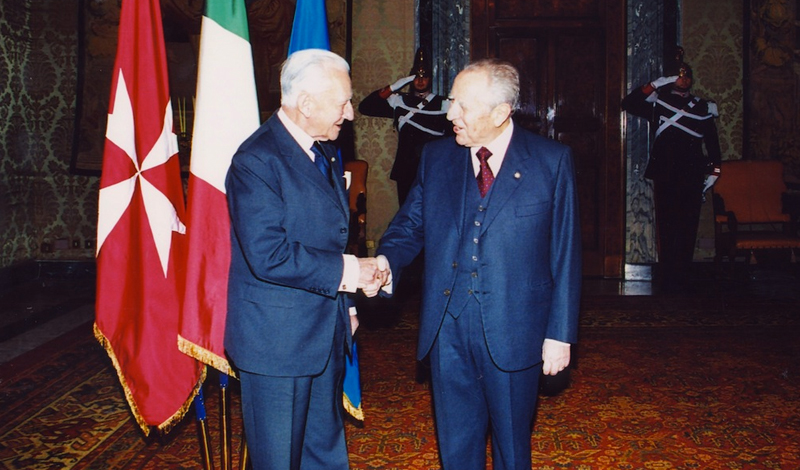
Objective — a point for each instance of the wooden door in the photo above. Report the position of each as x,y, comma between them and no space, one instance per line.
570,54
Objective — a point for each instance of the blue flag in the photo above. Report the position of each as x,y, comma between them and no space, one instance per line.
310,31
310,26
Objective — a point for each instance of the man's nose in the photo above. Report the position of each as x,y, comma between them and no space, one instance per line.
349,114
451,113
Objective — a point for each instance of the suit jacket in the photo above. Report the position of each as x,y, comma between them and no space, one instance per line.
289,228
529,243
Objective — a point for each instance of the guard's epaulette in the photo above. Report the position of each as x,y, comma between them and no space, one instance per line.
712,108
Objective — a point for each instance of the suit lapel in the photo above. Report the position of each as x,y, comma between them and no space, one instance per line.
300,162
508,179
458,175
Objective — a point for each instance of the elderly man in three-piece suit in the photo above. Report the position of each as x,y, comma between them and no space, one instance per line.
288,322
496,211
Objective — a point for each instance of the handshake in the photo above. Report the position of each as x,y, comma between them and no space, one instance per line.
374,273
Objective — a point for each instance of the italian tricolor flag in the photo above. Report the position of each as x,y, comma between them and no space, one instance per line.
226,113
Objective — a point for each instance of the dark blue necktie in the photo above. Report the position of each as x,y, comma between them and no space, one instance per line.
323,164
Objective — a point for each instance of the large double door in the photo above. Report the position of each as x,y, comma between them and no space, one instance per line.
570,54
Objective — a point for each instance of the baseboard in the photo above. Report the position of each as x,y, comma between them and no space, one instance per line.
26,271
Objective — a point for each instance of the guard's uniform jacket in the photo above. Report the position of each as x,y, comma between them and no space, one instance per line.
680,124
417,121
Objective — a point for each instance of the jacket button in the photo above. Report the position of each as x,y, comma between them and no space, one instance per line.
455,265
342,230
447,292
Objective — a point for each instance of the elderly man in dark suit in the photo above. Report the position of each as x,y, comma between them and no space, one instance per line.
288,323
496,211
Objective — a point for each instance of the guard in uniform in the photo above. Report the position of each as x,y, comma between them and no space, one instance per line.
420,116
679,168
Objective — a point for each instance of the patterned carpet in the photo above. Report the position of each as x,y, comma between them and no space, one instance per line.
660,383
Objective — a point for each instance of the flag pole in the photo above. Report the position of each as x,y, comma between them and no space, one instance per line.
225,438
205,440
243,453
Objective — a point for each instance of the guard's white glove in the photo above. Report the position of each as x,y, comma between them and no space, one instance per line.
709,182
661,81
401,83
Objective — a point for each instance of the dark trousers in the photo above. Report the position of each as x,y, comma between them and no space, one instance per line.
296,423
678,202
472,398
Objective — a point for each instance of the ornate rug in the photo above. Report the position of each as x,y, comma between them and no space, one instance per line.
658,384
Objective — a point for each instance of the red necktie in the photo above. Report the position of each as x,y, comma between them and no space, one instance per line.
485,176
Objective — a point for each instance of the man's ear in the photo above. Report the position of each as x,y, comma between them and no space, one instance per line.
305,104
500,114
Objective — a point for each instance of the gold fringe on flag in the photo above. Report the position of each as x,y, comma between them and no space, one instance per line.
167,425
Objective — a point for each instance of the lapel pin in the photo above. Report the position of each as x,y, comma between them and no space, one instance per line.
517,175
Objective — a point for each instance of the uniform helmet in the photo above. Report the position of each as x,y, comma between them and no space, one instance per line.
422,65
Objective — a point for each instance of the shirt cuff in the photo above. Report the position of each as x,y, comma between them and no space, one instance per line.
350,273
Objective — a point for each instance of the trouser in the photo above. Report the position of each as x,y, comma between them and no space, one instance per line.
296,423
472,397
678,202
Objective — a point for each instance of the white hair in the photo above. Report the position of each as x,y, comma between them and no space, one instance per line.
503,82
307,71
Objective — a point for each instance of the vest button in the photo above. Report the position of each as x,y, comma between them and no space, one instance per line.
447,292
474,274
455,265
469,292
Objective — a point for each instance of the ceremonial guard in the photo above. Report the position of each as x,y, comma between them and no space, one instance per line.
681,171
420,116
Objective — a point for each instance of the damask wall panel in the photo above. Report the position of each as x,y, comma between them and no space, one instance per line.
43,209
383,51
712,39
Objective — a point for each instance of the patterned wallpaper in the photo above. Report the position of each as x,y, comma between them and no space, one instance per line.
41,204
383,51
712,38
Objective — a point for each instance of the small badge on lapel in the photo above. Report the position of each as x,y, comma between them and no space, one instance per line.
517,175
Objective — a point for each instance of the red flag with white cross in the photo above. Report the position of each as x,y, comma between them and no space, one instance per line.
140,233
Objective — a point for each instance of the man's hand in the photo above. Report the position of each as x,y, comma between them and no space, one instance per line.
401,83
661,81
385,272
555,355
371,278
